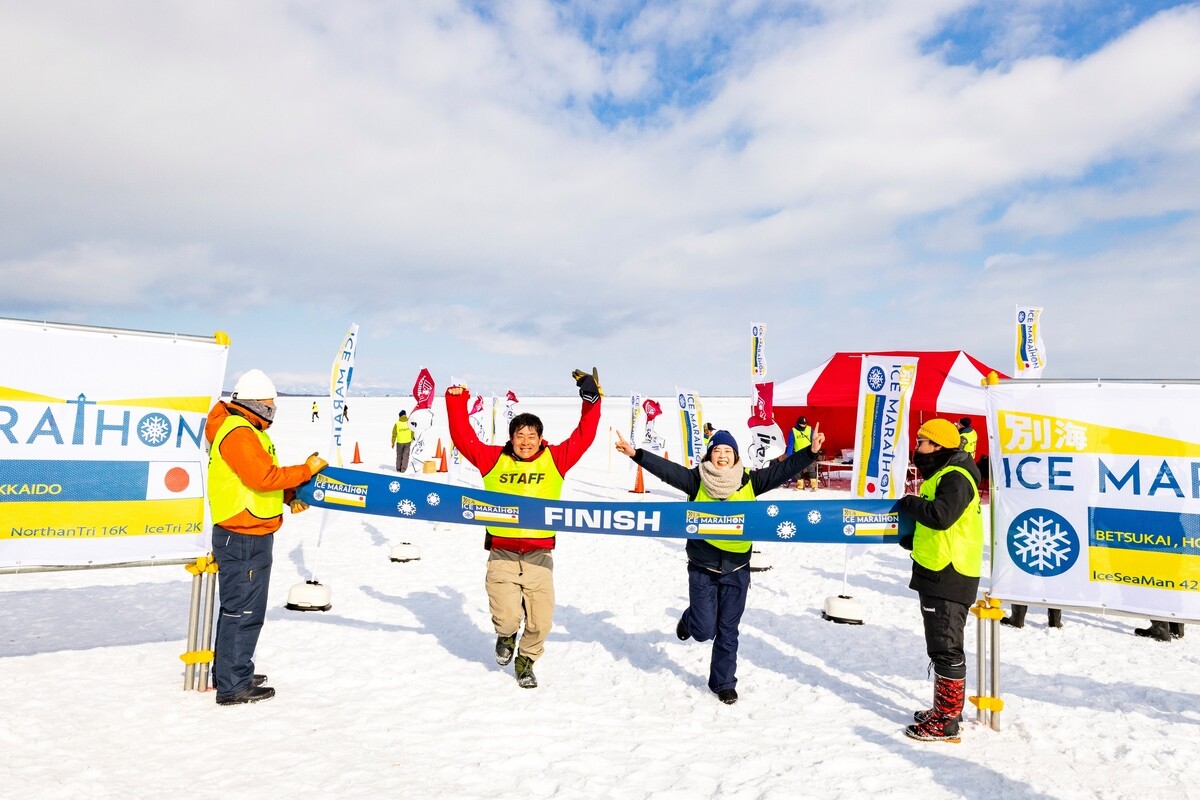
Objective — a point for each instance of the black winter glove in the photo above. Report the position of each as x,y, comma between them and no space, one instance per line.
589,385
907,542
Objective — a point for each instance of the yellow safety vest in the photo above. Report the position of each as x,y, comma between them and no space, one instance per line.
961,544
401,432
969,441
538,478
227,495
746,492
801,438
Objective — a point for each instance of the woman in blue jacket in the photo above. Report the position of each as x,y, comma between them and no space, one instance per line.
719,570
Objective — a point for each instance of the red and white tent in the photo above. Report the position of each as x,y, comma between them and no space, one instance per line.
949,384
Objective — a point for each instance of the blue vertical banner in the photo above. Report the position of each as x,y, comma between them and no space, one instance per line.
339,388
690,422
881,438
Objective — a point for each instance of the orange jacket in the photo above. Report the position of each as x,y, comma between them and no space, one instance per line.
245,455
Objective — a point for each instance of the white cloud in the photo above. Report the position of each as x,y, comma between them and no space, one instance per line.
356,157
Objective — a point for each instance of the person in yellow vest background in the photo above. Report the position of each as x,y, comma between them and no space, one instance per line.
520,569
968,437
247,490
947,556
709,430
799,438
402,439
719,569
316,412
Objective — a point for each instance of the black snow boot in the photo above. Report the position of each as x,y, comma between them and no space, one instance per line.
1176,630
1158,630
1016,618
1054,618
505,645
525,676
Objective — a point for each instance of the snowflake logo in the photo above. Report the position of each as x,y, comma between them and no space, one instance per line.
875,378
433,498
1042,543
394,487
772,510
814,517
406,507
154,430
786,530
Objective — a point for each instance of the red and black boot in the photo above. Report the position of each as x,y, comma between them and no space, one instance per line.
940,723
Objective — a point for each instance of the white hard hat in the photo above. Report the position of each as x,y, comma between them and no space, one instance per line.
254,385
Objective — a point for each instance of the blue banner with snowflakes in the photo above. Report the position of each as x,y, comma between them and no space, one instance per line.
848,521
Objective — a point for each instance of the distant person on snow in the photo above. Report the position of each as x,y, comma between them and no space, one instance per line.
402,439
247,490
719,569
520,569
316,412
947,556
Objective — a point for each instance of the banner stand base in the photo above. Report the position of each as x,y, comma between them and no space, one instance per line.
843,610
309,596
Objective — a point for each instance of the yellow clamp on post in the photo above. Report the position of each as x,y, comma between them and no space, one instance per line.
202,564
988,608
992,704
197,657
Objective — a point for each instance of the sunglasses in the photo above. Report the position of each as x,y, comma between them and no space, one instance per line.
922,441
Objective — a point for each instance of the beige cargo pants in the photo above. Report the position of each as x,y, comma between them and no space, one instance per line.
521,585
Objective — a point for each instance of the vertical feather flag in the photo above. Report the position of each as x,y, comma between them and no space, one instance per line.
690,425
763,411
758,351
881,441
650,437
423,389
339,387
637,422
1031,353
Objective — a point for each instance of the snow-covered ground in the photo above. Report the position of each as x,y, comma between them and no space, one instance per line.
394,692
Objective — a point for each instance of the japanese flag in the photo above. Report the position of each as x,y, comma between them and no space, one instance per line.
174,480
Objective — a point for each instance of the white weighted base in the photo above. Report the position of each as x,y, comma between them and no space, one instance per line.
405,552
309,596
843,609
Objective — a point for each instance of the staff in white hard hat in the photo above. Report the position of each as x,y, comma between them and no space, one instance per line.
246,492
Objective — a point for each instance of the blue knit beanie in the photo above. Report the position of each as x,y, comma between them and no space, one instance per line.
725,438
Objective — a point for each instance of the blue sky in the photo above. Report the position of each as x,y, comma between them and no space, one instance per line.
505,191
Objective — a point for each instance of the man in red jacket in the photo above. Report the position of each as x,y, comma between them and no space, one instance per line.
520,570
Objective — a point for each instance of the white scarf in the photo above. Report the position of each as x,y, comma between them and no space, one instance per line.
720,483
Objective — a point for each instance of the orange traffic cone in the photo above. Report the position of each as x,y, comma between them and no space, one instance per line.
357,457
639,485
438,451
442,466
